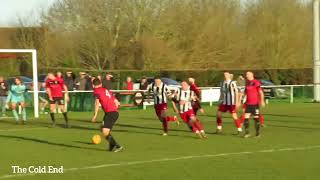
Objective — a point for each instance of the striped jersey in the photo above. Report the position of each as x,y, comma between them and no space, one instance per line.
229,91
160,94
187,96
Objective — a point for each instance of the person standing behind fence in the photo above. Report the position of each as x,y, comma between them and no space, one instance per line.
69,82
81,83
143,83
3,95
107,82
128,85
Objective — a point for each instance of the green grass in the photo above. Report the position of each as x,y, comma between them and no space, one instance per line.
180,156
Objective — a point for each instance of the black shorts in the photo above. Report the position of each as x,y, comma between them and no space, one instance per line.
57,100
253,109
110,119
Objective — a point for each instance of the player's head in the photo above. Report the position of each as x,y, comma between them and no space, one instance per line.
227,75
96,83
157,80
17,81
59,74
98,77
51,76
249,75
184,85
191,80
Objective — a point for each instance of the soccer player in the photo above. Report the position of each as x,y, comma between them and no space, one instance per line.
110,106
196,103
241,82
161,93
55,87
17,96
230,102
184,97
254,98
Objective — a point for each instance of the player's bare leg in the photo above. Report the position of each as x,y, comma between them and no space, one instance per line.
113,145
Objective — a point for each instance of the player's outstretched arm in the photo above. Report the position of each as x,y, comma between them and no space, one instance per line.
96,111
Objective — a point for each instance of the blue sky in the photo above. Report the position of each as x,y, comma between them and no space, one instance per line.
12,9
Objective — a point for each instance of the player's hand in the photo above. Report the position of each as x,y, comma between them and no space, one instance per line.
263,104
201,110
67,98
50,98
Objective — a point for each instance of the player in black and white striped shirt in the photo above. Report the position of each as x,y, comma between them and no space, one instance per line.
161,93
183,99
230,101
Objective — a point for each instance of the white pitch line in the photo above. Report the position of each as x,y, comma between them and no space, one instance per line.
173,159
23,129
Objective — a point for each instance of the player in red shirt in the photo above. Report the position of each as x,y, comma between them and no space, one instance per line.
109,105
196,104
255,98
55,87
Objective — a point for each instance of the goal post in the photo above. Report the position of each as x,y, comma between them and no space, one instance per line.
34,74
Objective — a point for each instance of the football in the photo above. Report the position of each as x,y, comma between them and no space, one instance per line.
96,139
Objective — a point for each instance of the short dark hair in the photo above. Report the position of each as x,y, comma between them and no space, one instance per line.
96,81
157,77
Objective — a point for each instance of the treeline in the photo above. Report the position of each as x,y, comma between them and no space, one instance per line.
174,34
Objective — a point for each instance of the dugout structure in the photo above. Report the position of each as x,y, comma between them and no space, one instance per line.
33,53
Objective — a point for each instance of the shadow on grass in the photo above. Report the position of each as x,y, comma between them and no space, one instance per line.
48,142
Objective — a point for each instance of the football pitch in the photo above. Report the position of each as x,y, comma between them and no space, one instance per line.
288,149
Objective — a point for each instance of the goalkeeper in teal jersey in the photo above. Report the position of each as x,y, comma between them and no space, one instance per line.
17,96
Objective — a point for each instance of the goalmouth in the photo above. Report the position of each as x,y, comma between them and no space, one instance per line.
34,72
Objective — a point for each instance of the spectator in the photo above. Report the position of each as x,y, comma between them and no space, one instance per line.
143,83
69,80
107,82
81,81
129,84
3,95
81,85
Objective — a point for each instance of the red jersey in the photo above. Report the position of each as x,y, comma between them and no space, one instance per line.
106,99
253,92
195,89
56,87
